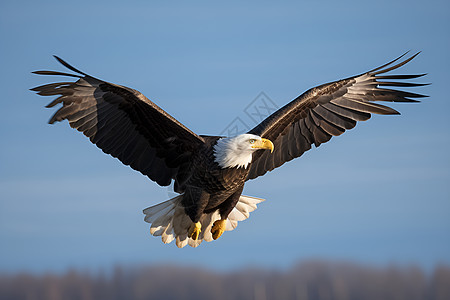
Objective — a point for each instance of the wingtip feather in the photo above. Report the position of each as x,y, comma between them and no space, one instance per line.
67,65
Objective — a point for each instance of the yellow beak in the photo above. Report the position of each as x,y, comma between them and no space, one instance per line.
263,144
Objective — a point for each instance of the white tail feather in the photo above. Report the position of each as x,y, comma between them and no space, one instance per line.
170,221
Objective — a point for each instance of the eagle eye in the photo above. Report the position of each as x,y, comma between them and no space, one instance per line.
252,141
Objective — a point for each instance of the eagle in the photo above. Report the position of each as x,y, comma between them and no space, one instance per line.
208,173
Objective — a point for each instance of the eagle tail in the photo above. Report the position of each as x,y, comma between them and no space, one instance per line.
170,221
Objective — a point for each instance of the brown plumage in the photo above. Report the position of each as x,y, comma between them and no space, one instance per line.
328,110
209,171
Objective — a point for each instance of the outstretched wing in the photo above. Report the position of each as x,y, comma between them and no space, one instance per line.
328,110
123,123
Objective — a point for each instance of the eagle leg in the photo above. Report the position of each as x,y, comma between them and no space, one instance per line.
218,228
194,230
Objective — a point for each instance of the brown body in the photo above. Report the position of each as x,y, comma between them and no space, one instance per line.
209,186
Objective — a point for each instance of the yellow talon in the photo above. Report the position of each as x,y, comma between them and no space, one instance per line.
195,230
218,228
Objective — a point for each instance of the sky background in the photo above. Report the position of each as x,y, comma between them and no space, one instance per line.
379,194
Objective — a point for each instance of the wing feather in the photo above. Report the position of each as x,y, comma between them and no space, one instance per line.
363,106
123,123
328,110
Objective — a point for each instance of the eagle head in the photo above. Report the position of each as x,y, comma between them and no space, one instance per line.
237,151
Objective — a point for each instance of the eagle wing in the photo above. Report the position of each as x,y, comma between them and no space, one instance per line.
123,123
328,110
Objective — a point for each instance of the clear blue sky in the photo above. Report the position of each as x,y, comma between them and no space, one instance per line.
379,194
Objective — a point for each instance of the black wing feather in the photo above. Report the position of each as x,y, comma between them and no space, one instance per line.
123,123
328,110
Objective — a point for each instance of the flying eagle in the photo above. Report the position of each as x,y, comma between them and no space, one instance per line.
209,172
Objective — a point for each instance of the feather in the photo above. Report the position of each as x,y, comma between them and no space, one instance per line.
328,110
169,220
118,119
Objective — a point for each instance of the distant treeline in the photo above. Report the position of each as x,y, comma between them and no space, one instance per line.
310,280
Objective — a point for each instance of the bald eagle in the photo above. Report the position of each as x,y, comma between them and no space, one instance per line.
209,172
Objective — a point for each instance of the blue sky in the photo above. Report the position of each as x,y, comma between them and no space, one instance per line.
379,194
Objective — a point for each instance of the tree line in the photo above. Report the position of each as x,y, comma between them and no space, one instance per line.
308,280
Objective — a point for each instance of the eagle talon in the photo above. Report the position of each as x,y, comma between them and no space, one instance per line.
218,228
194,230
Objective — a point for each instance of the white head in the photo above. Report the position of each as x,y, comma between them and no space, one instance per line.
237,151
